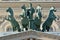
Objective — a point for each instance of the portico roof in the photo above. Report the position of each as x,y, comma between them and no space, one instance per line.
30,34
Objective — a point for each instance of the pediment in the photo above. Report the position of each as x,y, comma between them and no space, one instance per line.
30,35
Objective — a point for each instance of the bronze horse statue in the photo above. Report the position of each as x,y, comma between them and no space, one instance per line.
38,20
24,21
12,20
47,24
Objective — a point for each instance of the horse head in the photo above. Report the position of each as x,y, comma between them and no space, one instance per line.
10,11
24,7
39,8
53,9
51,14
38,11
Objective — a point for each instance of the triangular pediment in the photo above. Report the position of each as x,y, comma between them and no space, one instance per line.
27,35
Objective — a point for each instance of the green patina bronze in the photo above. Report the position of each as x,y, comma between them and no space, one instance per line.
12,20
47,24
37,20
27,16
28,21
24,21
30,13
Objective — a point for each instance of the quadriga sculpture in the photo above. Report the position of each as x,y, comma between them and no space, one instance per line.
38,20
47,24
12,20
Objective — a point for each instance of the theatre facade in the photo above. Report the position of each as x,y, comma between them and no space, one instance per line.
6,30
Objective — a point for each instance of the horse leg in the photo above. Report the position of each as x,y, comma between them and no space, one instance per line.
44,28
14,29
18,28
26,29
47,28
25,26
38,28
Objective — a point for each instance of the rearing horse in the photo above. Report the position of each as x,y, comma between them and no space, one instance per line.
12,20
38,20
47,24
25,20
